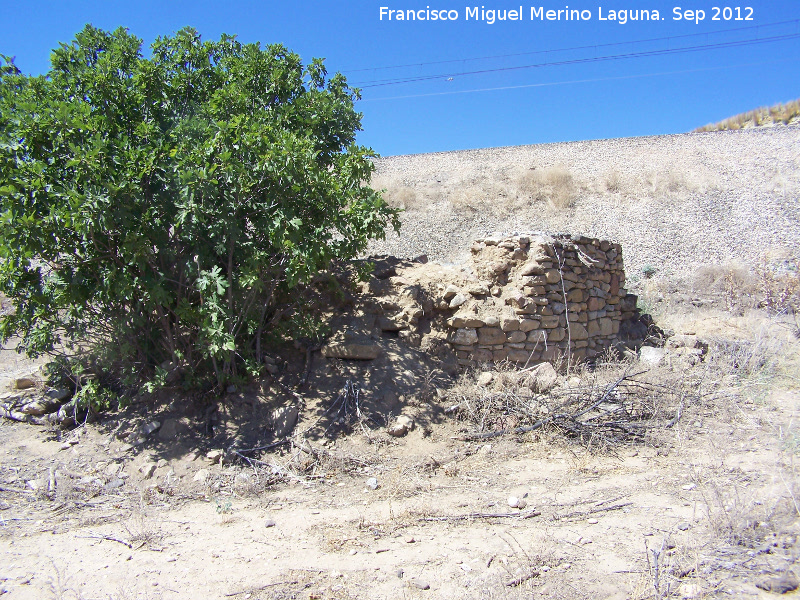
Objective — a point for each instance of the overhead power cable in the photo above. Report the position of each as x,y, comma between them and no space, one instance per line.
576,81
587,47
593,59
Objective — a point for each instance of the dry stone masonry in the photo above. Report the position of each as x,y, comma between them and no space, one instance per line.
524,298
540,299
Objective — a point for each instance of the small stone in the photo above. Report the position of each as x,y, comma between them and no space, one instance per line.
114,484
23,383
269,523
684,526
485,378
689,486
419,584
372,483
409,539
478,290
457,300
542,378
513,501
779,585
150,427
449,292
651,356
215,456
147,470
402,425
284,420
201,475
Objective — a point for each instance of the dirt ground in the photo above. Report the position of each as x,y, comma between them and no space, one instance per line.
705,508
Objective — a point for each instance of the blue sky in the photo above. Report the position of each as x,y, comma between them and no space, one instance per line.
474,84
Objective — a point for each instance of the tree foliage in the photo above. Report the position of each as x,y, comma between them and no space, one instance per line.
164,203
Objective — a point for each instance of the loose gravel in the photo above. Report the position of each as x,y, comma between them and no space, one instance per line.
674,202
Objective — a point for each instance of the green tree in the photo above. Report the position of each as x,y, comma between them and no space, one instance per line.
163,204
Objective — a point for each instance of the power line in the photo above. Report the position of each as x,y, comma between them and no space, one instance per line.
641,54
574,81
595,46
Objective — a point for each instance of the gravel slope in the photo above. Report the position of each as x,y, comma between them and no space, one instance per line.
675,202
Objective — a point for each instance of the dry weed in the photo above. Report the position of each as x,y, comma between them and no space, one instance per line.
732,281
59,586
143,528
554,185
609,404
773,115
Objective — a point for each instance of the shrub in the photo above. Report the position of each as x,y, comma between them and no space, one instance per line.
162,206
554,185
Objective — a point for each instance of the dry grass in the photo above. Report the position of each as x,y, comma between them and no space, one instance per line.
779,114
554,185
602,407
773,284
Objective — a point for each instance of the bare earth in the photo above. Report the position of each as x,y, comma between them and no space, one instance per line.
704,505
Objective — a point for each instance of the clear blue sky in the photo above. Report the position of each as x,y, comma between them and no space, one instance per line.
656,90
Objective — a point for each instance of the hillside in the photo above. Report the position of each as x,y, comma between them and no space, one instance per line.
778,114
677,203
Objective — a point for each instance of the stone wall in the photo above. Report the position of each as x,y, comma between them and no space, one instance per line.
522,298
544,297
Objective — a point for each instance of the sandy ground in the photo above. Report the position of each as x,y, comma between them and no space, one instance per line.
714,496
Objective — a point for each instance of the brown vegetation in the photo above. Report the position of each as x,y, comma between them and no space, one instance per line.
779,114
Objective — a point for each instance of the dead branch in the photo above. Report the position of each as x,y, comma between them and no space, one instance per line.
592,511
107,537
523,579
476,515
260,588
623,410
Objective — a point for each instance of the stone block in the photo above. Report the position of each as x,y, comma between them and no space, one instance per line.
578,331
575,295
593,329
538,336
595,303
482,355
491,335
552,276
508,324
519,356
464,336
459,321
526,325
550,322
499,355
606,326
516,336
